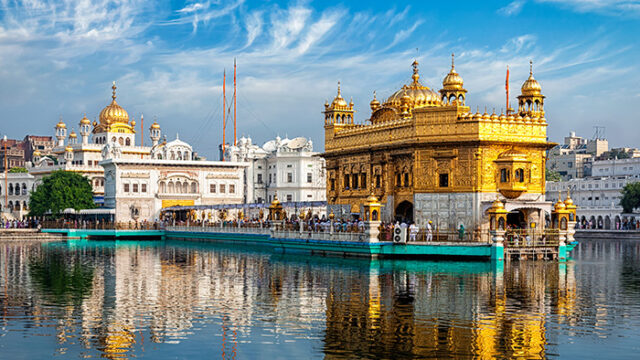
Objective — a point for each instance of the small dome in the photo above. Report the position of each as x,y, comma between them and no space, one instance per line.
338,100
531,86
155,126
68,148
61,125
37,153
452,81
85,121
513,154
73,134
375,104
559,205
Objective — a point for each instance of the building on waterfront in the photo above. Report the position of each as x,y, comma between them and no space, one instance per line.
139,188
39,145
598,196
428,157
82,152
15,190
288,167
573,159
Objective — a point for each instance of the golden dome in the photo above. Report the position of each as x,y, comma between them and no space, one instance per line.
73,134
85,121
68,148
60,124
339,100
36,153
155,125
113,113
452,81
418,94
513,155
531,86
375,104
559,205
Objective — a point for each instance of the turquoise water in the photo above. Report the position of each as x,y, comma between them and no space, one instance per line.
179,300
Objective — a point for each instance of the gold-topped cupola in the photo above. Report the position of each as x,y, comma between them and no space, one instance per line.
453,91
531,100
113,118
338,112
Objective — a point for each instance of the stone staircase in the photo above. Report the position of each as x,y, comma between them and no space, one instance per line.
28,235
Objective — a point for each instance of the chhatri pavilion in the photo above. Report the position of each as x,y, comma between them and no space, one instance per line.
428,157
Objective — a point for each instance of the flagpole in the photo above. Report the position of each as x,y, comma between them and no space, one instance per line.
224,110
234,102
506,85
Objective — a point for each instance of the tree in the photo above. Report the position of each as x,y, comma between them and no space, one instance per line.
552,175
59,191
630,197
14,170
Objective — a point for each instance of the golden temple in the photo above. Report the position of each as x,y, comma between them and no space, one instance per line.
428,157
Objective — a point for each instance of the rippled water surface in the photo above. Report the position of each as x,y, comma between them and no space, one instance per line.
194,300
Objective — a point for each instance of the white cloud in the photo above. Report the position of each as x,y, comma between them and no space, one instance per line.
513,8
607,7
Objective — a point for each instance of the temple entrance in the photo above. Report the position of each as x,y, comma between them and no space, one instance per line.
404,212
515,220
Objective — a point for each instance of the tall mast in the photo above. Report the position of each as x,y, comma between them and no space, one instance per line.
234,102
142,133
224,110
6,188
506,86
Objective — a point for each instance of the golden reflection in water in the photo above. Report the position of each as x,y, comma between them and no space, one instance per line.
370,309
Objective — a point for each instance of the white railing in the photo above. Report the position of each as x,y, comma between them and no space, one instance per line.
217,229
277,234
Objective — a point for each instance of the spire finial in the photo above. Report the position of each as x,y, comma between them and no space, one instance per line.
415,75
530,67
177,136
113,93
339,89
374,94
452,61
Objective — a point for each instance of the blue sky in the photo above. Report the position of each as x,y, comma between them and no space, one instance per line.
59,59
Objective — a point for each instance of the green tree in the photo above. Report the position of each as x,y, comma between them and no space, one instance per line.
14,170
630,197
59,191
552,175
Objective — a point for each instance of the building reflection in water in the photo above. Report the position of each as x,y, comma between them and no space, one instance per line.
141,294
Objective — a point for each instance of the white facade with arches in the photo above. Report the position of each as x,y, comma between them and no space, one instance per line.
139,188
14,195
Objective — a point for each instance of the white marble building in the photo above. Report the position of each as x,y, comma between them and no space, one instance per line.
139,188
14,195
83,153
597,198
289,167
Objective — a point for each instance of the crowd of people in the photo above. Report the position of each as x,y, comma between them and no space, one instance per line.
26,223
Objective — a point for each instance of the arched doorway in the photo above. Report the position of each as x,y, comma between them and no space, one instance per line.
515,219
607,222
404,212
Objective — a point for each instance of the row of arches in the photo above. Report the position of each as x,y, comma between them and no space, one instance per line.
16,206
607,223
16,189
121,141
178,187
451,99
529,105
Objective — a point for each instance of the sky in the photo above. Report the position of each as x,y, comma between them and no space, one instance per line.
59,58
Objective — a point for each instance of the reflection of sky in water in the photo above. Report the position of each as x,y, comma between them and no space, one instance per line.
182,300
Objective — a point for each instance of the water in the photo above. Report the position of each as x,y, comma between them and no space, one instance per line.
191,300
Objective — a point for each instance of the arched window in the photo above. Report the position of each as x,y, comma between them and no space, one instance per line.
128,141
179,155
504,175
159,156
452,98
406,179
24,205
10,189
171,188
194,188
185,187
346,181
163,187
461,99
173,156
519,175
10,205
178,187
186,155
17,205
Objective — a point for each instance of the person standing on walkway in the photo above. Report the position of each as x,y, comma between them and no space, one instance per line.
461,232
413,232
429,231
